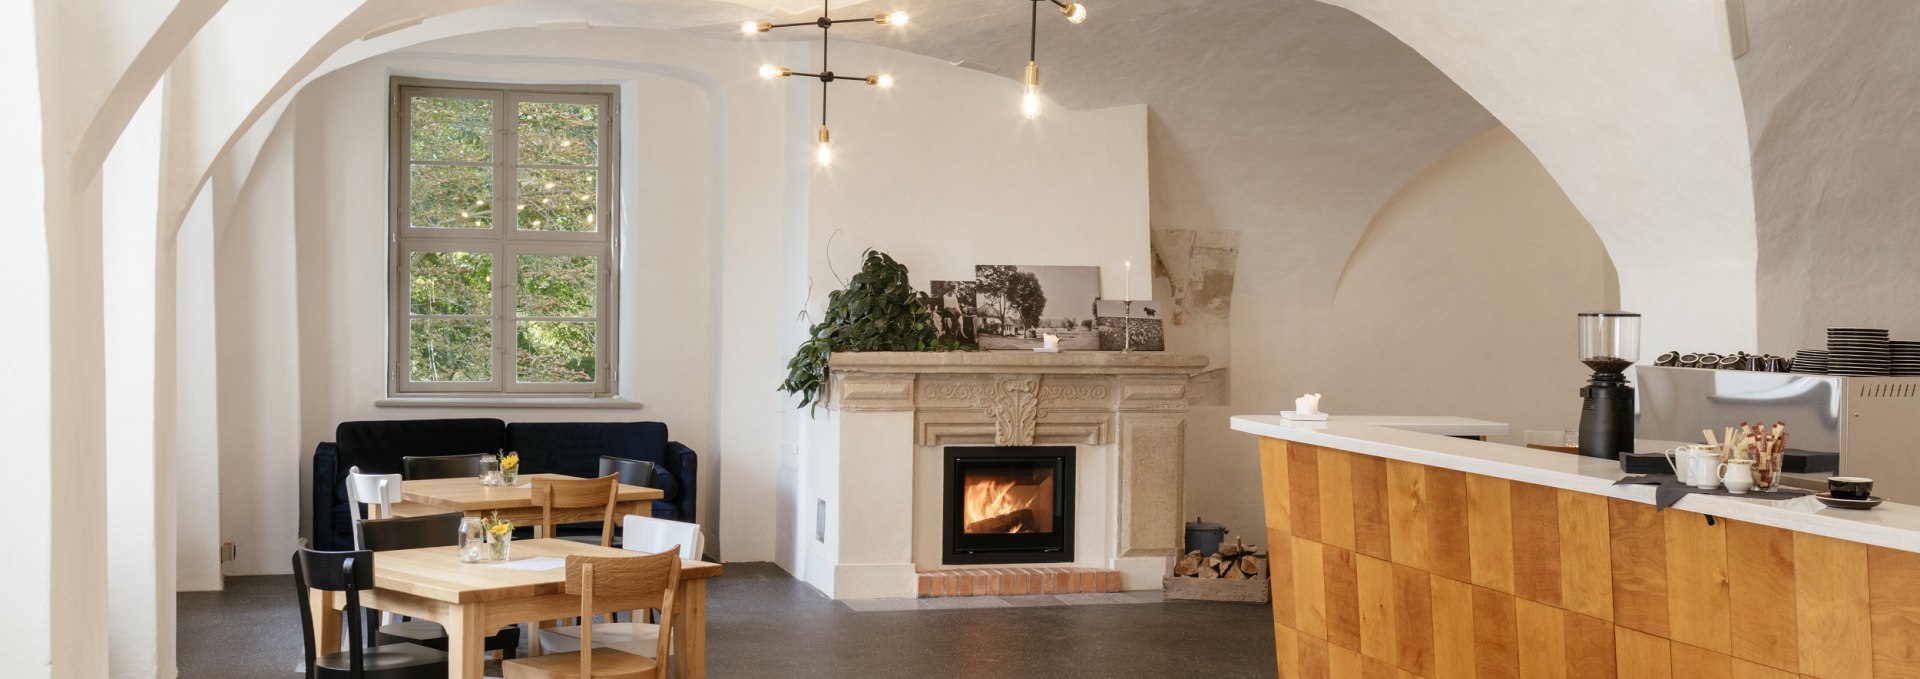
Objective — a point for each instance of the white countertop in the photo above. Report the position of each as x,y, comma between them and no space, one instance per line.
1891,525
1429,424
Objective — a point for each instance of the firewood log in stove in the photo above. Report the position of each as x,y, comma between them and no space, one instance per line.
1011,522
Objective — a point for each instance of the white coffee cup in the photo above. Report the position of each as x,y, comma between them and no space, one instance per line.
1695,466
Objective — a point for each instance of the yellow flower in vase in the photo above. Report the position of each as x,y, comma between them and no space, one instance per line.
509,468
499,537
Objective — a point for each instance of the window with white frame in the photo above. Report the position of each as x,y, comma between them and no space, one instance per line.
503,241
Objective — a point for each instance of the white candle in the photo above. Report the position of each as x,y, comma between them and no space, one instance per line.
1129,281
1307,404
1052,342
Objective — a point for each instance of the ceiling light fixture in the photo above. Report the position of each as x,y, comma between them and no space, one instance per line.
1030,90
823,152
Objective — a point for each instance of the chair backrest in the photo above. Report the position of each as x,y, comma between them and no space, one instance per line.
550,494
607,584
651,535
413,532
441,466
380,490
349,572
631,472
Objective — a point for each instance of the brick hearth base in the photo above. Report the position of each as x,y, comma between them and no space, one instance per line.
1017,581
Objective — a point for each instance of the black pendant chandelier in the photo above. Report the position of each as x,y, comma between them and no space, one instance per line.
1030,97
823,152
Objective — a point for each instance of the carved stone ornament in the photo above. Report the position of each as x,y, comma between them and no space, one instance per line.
1014,406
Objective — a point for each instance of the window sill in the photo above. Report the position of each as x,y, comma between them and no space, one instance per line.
507,402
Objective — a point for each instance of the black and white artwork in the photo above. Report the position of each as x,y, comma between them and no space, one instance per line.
1019,305
1145,325
955,313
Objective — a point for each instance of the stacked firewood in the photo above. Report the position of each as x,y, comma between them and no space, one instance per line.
1238,561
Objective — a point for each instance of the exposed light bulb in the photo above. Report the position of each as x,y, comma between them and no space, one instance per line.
823,154
752,27
769,71
1075,12
882,81
1030,98
891,19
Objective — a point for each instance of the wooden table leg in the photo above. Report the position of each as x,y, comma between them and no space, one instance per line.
690,630
326,621
466,641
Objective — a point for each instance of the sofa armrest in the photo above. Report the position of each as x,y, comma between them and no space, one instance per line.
326,482
684,464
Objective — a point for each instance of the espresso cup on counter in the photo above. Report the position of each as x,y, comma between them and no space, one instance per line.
1668,359
1689,361
1850,487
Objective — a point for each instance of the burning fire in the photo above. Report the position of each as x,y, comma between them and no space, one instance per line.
991,499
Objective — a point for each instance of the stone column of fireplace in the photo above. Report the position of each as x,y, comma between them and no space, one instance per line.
886,406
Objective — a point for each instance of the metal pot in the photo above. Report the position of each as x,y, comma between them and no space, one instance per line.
1204,536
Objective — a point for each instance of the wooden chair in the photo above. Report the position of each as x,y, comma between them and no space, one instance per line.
432,530
646,535
352,572
441,466
379,491
554,494
605,585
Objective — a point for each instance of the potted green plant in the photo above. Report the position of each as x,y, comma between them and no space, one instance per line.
878,311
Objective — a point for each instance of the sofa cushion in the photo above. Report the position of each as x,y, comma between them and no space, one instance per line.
376,446
574,448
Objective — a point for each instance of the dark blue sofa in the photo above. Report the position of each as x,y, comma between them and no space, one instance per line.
572,448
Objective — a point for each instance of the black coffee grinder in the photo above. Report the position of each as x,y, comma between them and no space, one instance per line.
1609,344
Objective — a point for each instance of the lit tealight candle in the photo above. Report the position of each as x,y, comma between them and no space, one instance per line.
1052,342
1307,404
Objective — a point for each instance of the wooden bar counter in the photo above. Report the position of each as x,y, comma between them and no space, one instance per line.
1400,554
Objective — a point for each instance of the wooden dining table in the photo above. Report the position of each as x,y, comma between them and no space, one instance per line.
514,503
474,600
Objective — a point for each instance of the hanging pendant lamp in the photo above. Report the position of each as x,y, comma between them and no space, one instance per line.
1030,90
823,148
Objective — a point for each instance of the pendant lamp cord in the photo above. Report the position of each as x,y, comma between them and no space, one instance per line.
826,35
1033,33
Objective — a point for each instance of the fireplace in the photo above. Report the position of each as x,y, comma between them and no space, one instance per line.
1008,504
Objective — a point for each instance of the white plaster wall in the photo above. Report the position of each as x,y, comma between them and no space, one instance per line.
196,393
140,565
1830,90
1634,108
258,374
943,173
1459,300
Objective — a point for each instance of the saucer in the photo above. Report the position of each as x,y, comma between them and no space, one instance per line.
1837,503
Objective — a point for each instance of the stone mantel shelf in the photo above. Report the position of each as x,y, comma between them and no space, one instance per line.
1028,362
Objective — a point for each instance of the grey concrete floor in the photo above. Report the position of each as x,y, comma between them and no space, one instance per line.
763,623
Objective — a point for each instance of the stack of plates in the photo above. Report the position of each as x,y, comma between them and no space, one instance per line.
1860,352
1810,361
1906,357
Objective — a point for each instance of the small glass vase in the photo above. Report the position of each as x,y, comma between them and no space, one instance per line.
489,471
473,540
509,475
500,547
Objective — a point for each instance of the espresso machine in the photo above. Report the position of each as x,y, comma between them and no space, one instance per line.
1609,344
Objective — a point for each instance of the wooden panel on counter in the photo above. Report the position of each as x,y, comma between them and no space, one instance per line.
1427,573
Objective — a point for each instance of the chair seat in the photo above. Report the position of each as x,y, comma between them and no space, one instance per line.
431,635
390,661
638,638
607,662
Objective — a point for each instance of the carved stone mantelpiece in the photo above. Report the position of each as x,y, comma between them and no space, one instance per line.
1134,402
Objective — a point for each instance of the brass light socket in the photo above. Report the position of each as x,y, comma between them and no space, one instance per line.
1033,74
824,136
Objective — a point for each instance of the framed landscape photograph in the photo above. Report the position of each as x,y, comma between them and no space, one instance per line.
1019,305
1147,327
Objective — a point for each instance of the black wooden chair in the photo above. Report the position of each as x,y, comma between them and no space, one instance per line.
441,466
352,572
431,530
